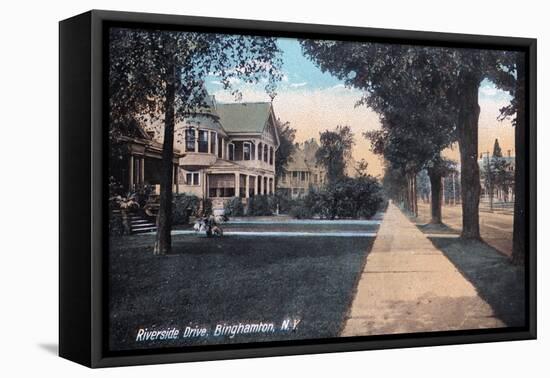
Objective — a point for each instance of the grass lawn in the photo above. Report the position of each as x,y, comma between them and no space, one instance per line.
230,280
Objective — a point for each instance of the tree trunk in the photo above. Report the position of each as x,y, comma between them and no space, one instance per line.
163,243
520,211
415,196
468,118
435,182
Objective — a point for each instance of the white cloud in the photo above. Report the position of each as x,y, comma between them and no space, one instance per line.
297,85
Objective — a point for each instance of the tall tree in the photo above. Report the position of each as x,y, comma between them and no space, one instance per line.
286,147
497,151
158,76
455,73
508,73
334,151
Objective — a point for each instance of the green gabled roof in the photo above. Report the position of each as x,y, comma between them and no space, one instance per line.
249,117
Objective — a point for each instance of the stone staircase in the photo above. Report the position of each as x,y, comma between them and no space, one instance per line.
139,224
135,223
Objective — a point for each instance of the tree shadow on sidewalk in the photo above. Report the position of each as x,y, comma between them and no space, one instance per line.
437,228
500,283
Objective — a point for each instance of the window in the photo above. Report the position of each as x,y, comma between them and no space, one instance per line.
246,151
265,153
203,141
192,178
221,185
213,142
270,155
302,176
190,140
260,150
220,147
231,151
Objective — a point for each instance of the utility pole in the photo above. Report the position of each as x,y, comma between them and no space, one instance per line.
454,190
489,183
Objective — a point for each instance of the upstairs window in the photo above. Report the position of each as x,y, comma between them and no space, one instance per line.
203,141
190,140
231,151
246,151
265,153
270,155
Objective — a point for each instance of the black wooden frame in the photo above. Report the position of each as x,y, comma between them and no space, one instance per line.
82,196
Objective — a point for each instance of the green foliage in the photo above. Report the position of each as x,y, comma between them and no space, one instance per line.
497,151
496,173
116,225
206,206
300,211
184,206
359,197
283,154
335,150
283,200
234,207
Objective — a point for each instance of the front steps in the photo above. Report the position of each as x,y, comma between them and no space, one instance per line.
140,225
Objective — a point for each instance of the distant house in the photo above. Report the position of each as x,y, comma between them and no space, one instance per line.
500,194
302,171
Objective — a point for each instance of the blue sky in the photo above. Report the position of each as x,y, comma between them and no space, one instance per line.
313,101
301,73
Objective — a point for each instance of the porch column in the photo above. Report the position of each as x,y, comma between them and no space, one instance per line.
247,185
237,185
258,184
216,147
196,139
273,185
208,137
176,178
131,173
142,171
223,148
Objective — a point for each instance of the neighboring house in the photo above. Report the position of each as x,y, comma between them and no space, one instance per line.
138,159
504,195
302,171
229,151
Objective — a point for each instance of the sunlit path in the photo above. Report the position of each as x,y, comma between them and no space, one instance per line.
408,285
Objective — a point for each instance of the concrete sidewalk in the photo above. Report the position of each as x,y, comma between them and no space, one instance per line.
408,285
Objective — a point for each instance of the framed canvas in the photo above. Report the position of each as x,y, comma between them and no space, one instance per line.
234,188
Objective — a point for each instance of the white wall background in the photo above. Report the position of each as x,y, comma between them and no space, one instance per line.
29,186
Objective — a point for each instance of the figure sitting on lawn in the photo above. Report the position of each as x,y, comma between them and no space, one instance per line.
210,225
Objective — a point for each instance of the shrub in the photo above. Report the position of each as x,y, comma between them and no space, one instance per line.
206,206
183,206
284,200
260,205
300,211
116,225
234,207
359,197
